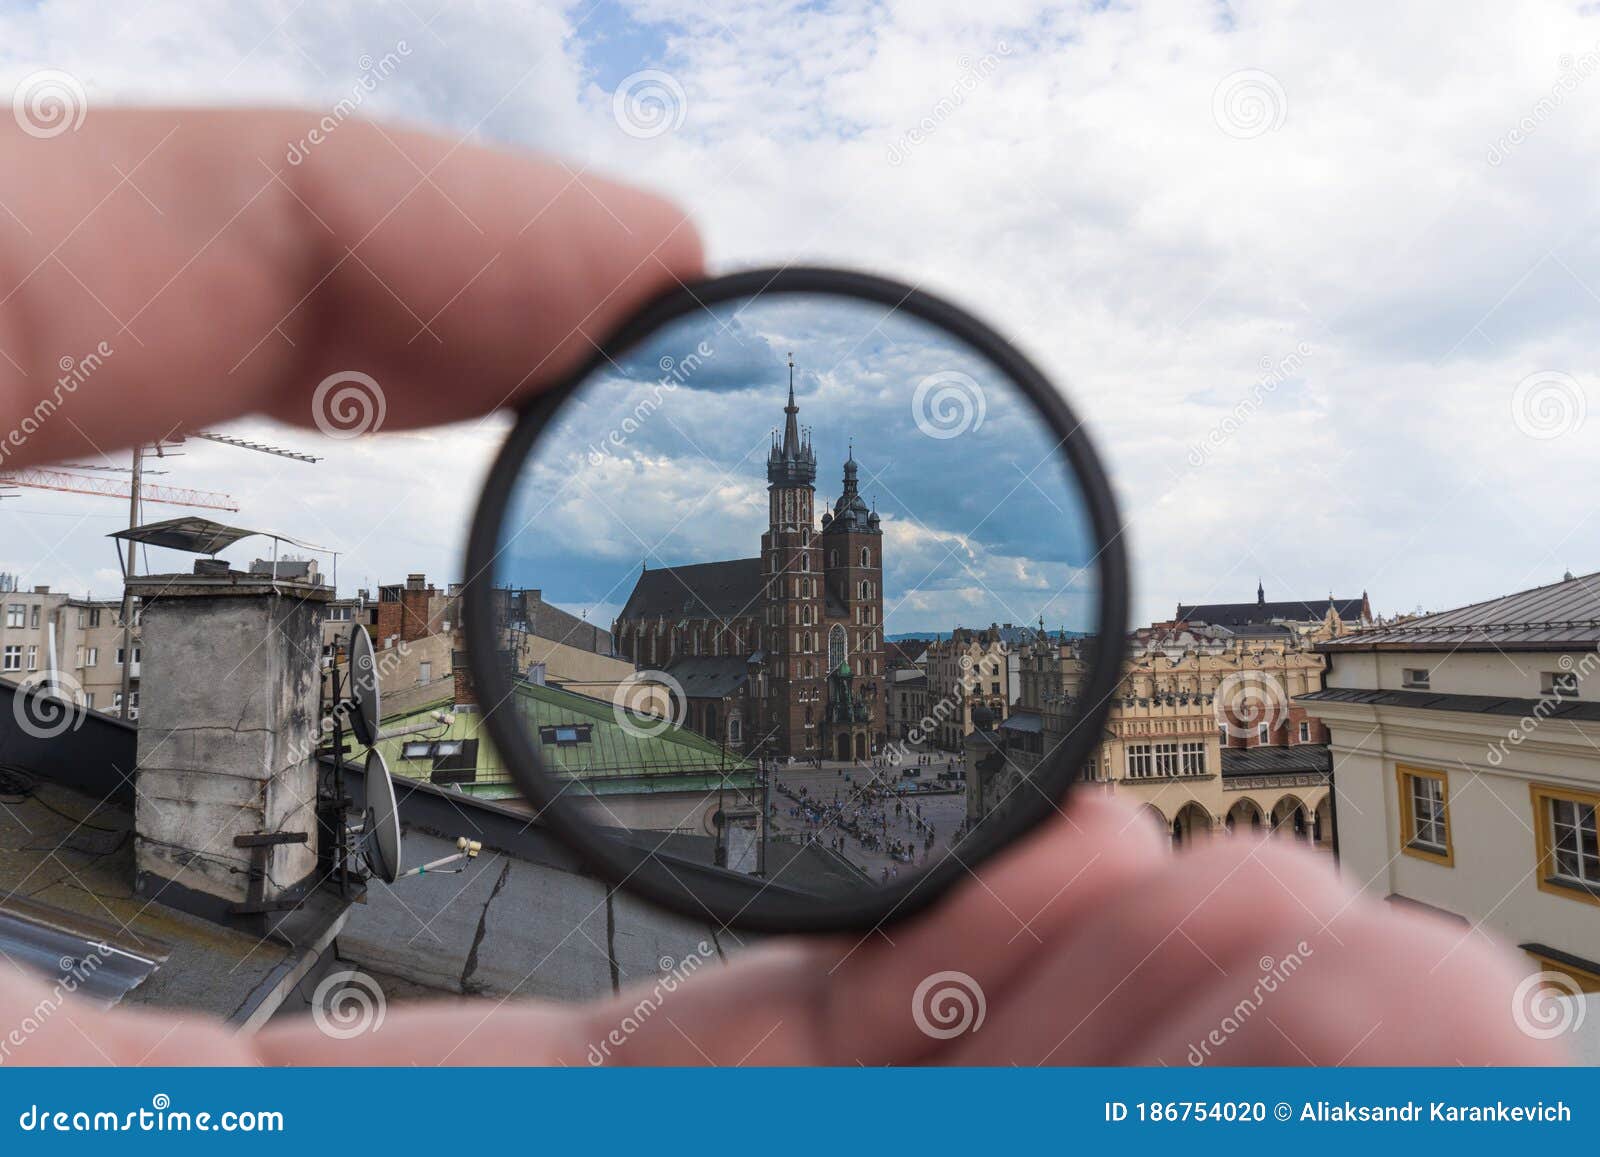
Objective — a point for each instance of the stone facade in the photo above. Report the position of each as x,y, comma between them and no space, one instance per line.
1191,708
88,644
969,670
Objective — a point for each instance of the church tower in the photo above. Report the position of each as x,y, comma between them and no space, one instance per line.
852,547
792,621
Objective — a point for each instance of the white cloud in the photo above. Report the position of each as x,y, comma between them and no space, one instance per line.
1083,198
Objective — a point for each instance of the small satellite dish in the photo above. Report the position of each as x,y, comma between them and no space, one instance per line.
383,821
365,710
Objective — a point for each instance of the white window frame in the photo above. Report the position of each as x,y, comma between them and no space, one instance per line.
1139,761
1570,814
1428,819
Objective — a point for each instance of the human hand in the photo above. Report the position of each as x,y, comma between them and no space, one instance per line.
228,282
460,279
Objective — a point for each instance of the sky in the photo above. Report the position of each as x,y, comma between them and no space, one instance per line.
1322,280
660,460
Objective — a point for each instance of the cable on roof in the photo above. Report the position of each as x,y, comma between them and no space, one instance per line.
23,786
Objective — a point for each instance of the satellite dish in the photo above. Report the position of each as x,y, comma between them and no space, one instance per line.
365,711
383,821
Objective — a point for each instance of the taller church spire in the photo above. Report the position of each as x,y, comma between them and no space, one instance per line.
791,461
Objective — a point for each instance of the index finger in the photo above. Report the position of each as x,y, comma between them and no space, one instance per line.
168,269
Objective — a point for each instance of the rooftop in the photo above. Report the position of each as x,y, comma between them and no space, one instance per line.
1571,709
524,918
1556,617
1261,612
605,755
1295,759
706,590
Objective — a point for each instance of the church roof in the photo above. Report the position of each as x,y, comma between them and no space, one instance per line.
1242,614
710,676
706,590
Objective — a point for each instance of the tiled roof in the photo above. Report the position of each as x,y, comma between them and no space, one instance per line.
551,622
707,590
1552,707
1560,616
710,676
1244,614
1299,758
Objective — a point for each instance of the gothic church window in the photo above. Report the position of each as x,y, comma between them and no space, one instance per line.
836,648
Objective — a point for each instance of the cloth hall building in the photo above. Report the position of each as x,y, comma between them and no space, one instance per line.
780,654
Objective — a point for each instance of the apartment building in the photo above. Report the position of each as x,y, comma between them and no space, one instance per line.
86,637
970,669
1205,732
1468,749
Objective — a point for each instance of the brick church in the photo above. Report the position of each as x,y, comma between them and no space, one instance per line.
780,654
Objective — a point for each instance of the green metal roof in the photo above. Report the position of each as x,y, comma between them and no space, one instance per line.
654,756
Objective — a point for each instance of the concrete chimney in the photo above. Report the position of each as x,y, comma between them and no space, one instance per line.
226,784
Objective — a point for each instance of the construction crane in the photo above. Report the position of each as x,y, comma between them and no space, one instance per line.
43,478
136,490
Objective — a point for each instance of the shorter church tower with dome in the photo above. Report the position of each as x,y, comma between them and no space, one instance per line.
780,654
